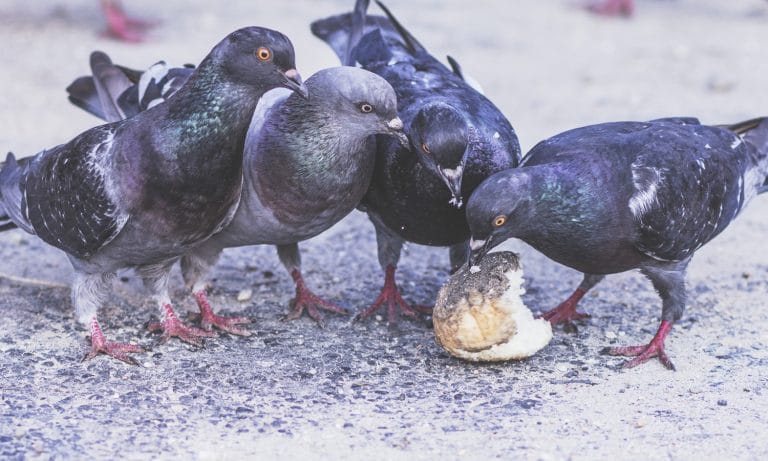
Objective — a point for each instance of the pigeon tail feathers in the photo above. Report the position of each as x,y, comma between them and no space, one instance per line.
115,92
10,195
356,30
410,41
345,32
756,134
82,93
110,82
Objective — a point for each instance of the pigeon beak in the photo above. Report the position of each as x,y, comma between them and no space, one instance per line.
293,82
479,249
452,178
395,124
395,128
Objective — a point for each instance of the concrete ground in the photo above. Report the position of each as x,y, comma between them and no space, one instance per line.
355,391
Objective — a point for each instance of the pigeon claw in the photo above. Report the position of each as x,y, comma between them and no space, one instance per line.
113,349
172,327
391,297
641,355
306,300
208,319
100,345
226,324
644,353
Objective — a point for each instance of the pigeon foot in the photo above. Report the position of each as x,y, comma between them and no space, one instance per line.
121,26
391,297
173,327
613,8
208,319
100,345
644,353
566,311
306,300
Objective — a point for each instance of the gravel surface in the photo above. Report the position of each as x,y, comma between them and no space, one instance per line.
354,391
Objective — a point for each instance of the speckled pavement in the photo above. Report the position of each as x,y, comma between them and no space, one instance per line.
365,390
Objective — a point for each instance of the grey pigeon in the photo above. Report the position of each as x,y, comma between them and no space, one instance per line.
613,197
457,139
307,164
142,192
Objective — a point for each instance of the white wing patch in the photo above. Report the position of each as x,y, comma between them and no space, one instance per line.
97,159
156,72
752,181
646,181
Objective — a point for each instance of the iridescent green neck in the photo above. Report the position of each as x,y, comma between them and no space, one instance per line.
211,109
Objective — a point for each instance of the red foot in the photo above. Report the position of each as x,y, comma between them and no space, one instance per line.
208,319
566,311
120,26
642,354
100,345
613,7
306,300
390,296
173,327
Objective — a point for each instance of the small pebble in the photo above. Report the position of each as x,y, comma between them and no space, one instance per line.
244,295
722,402
610,335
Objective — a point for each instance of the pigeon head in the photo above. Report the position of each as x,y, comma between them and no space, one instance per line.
260,57
497,210
441,137
367,102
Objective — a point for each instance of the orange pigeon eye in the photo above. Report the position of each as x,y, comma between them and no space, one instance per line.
264,54
499,220
366,108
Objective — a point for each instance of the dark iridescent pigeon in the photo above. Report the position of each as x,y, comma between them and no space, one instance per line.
629,195
142,192
307,163
457,139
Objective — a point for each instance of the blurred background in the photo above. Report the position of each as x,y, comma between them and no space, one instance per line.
357,390
549,65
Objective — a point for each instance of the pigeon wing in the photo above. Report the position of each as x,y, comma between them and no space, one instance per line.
67,194
686,193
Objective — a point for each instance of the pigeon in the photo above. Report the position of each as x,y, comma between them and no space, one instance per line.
457,138
122,27
307,163
140,193
623,8
614,197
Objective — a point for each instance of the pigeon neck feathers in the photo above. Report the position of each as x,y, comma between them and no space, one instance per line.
209,104
304,160
294,128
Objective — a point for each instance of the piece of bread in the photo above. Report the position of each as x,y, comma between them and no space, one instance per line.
480,315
